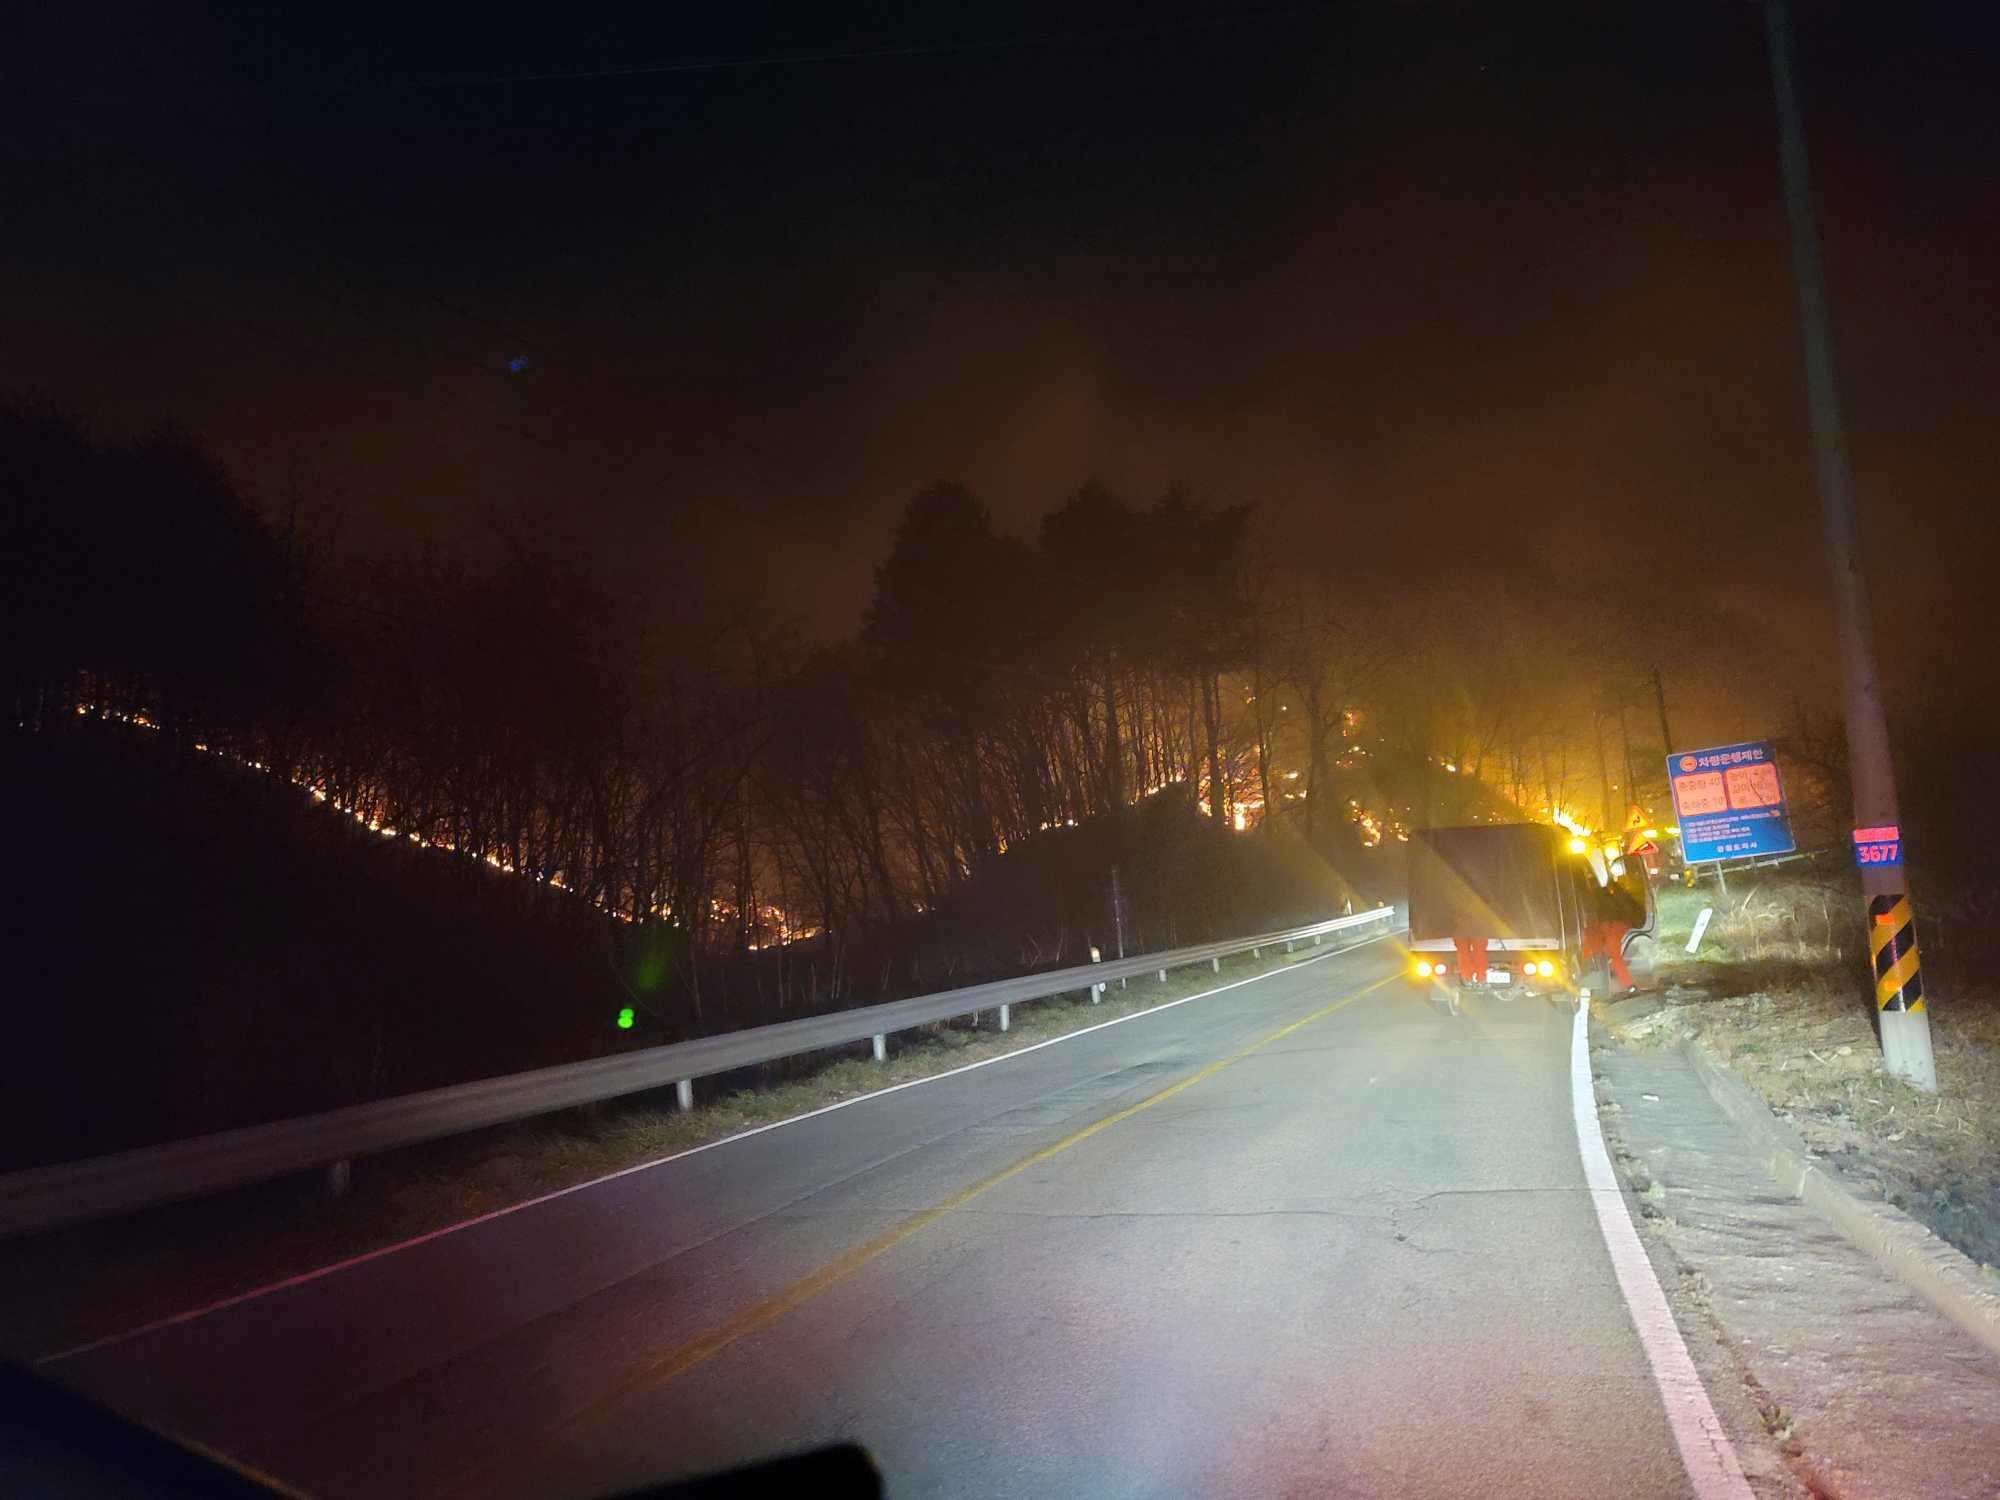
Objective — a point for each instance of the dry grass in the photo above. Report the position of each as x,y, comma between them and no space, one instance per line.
72,1286
1780,992
1761,932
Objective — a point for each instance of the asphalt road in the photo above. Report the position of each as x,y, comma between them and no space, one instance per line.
1306,1236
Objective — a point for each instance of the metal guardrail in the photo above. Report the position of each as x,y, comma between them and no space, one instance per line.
71,1192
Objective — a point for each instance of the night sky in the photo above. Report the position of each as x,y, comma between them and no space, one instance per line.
1456,285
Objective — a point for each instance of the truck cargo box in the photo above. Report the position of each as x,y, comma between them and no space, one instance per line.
1507,881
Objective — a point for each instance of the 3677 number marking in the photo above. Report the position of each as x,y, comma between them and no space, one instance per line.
1878,854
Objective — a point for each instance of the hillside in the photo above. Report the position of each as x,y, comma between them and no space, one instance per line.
195,946
198,946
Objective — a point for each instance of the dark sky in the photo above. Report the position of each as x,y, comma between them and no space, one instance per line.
1454,284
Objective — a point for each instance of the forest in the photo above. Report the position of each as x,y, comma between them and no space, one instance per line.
1155,720
751,787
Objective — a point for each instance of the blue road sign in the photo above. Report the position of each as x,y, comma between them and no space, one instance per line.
1730,803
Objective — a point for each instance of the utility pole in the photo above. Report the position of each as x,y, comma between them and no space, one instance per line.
1899,992
1603,775
1631,786
1660,698
1118,915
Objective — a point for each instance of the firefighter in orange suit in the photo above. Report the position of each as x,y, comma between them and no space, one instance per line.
1471,960
1616,915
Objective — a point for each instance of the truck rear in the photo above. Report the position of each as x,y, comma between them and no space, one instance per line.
1501,905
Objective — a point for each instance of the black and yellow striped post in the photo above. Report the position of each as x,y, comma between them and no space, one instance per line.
1892,939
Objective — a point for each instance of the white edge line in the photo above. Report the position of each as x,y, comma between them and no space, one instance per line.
1706,1452
382,1251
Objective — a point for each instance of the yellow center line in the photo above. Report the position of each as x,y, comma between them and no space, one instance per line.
762,1314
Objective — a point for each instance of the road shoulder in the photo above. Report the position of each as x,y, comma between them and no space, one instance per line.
1833,1377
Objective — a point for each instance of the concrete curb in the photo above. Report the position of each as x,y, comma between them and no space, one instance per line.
1943,1277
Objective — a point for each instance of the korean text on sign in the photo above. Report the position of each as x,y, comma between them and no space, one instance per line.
1730,802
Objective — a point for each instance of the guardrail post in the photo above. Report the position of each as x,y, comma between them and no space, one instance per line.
1288,945
881,1043
1163,976
684,1094
1096,990
339,1178
1003,1018
1315,940
1256,952
1216,964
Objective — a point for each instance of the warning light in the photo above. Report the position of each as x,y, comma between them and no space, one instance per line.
1577,846
625,1019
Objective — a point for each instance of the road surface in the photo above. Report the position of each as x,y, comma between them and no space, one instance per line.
1303,1236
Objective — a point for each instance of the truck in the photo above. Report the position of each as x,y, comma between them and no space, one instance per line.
1518,895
